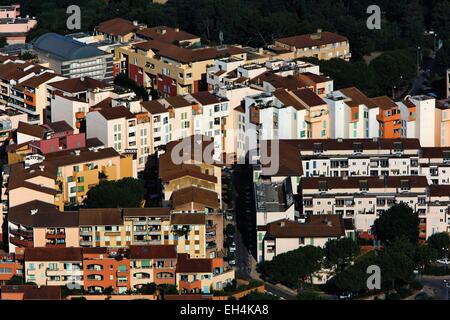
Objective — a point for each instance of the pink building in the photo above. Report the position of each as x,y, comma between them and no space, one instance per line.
12,27
59,136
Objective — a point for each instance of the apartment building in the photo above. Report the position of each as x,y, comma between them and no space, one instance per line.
122,130
284,114
434,164
12,26
352,114
286,235
321,45
117,30
154,263
38,224
30,96
169,68
364,198
9,268
390,119
80,170
70,99
50,267
105,268
12,73
185,164
201,275
74,59
419,112
9,121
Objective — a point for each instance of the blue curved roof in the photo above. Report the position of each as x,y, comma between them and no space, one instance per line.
65,48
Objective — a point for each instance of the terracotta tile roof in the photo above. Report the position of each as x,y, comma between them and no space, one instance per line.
36,81
436,190
184,55
116,27
315,78
116,113
59,126
313,183
187,218
100,217
312,40
309,97
349,144
104,104
76,85
317,226
289,159
65,158
41,214
278,82
206,98
197,195
153,252
178,102
146,212
154,107
434,152
288,99
53,254
32,292
165,34
187,265
357,97
384,103
31,130
19,175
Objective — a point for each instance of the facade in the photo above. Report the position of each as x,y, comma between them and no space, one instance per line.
12,26
321,45
170,61
74,59
285,235
122,130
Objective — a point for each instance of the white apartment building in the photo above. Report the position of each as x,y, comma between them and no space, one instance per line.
122,130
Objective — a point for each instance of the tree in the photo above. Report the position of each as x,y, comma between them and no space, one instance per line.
125,193
3,42
397,222
293,267
341,252
109,291
255,295
15,280
229,230
148,288
440,242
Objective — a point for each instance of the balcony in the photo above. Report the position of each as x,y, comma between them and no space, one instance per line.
79,115
21,243
56,235
391,117
190,286
21,233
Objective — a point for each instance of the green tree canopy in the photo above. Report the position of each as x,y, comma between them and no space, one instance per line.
125,193
341,252
440,242
397,222
292,268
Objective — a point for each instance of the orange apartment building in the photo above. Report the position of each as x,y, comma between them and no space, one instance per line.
389,118
106,268
9,267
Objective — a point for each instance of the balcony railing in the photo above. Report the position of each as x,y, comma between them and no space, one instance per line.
20,243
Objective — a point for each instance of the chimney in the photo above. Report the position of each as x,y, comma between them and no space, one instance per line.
77,152
282,224
135,23
41,167
329,223
177,29
319,31
33,211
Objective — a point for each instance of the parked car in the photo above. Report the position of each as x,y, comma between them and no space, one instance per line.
443,261
347,295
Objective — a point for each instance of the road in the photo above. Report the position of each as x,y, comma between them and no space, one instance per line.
437,285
